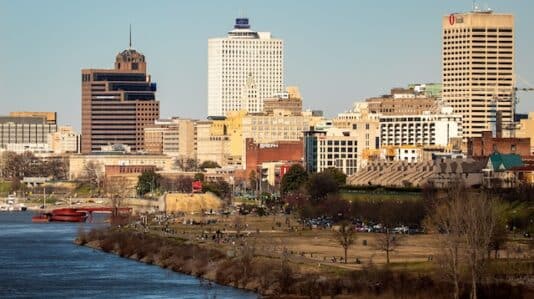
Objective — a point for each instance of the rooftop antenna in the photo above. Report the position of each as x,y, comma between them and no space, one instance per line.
130,45
475,6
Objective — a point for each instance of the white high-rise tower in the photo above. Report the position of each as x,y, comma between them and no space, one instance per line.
234,59
478,69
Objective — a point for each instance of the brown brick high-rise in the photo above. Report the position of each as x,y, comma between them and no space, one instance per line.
117,104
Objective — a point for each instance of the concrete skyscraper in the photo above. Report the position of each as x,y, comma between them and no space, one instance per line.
244,68
478,68
117,104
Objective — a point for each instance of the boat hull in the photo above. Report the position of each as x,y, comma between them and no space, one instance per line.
38,219
68,215
68,218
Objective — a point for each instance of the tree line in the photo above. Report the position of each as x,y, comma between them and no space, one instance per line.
150,182
15,167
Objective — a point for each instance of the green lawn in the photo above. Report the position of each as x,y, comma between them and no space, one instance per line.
379,195
4,188
83,190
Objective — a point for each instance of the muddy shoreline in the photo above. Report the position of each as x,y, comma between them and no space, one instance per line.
273,277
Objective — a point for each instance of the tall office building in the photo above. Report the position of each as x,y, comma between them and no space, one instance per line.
244,67
117,104
478,68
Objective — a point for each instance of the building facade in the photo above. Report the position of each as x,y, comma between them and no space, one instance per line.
50,117
212,147
244,56
290,101
486,145
174,137
117,104
282,125
526,130
282,151
331,148
79,163
420,130
403,102
64,141
29,130
478,68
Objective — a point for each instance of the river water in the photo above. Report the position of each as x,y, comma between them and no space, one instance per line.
40,261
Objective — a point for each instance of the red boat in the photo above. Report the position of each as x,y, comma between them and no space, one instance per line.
68,215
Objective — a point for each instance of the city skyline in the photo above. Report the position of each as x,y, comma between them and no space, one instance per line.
324,55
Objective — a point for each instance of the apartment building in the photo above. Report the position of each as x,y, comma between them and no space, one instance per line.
421,130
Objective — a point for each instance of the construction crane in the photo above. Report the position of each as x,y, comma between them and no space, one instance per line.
510,126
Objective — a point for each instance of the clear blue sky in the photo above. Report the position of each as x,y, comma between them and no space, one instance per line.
338,52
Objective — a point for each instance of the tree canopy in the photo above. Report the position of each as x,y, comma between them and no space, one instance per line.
320,185
294,179
209,164
148,182
337,175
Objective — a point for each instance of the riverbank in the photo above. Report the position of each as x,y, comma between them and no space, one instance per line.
243,266
41,261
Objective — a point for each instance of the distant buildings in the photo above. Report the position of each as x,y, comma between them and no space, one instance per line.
290,101
422,130
285,152
432,90
79,164
486,145
19,132
403,102
64,141
281,125
49,117
117,104
213,147
478,68
174,137
526,130
244,68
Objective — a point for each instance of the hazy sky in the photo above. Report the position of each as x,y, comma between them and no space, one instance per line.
337,52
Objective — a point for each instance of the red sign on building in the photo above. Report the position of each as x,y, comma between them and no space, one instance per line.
452,19
197,186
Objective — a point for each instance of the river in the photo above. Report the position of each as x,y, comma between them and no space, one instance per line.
41,261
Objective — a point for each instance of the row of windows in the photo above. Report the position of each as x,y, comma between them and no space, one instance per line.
468,36
449,49
338,156
447,31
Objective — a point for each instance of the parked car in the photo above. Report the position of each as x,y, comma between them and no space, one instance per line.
401,230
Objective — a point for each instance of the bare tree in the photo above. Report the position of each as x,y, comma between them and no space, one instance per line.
246,258
466,222
480,219
238,224
187,164
387,242
345,236
93,174
447,220
116,189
